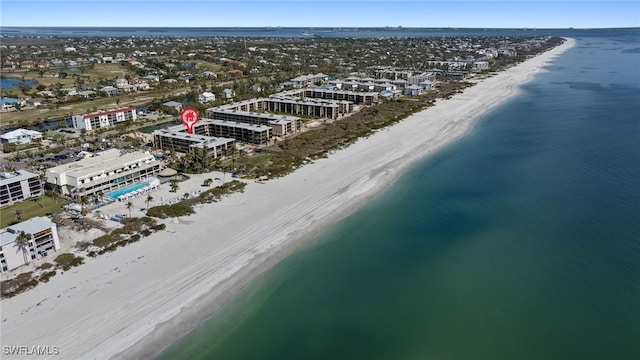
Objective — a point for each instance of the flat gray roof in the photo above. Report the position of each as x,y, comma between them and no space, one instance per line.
101,161
177,132
31,226
12,177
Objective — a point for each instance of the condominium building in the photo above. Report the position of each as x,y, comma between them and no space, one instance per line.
103,119
306,80
248,133
43,240
106,171
176,139
355,97
17,186
281,125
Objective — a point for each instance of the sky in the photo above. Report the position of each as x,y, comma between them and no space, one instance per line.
327,13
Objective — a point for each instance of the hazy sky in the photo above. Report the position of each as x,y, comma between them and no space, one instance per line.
417,13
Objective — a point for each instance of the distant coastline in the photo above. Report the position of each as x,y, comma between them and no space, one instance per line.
287,32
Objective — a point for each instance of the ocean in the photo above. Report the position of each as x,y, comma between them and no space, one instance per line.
519,241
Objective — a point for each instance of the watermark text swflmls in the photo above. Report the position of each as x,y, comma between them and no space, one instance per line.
23,350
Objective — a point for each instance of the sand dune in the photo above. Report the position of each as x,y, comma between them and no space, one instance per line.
138,299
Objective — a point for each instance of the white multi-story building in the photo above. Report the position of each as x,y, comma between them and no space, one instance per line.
43,240
17,186
106,171
103,119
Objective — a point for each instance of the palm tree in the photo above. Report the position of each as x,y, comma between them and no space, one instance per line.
149,200
83,202
129,206
208,182
22,243
174,185
18,214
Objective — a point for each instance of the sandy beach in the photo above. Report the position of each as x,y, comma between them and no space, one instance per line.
135,301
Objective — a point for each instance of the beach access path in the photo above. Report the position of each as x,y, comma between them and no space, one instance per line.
134,301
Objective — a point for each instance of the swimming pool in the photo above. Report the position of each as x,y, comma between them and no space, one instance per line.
127,189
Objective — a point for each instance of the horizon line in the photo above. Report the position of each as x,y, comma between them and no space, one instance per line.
320,27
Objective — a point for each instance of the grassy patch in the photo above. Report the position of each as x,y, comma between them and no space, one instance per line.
30,208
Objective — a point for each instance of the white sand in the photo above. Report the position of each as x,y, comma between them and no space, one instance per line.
136,300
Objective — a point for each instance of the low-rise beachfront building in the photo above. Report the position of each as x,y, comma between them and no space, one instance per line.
352,85
18,186
355,97
42,235
248,133
413,90
104,119
281,125
480,65
175,138
20,136
105,172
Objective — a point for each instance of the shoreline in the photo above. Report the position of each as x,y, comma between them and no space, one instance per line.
153,292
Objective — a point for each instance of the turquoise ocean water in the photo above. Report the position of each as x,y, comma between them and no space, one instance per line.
520,241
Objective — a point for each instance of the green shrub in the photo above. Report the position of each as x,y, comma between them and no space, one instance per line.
158,227
106,239
46,276
145,232
45,266
66,261
174,210
17,285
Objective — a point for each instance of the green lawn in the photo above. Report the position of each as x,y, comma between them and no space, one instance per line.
30,209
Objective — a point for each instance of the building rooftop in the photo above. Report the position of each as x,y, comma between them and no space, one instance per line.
12,177
100,162
20,132
253,127
31,226
178,132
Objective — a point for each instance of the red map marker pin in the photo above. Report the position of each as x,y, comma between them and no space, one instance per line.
189,118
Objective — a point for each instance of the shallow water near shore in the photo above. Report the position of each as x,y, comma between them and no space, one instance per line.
520,241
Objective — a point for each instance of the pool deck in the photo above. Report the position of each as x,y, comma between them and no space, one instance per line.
163,194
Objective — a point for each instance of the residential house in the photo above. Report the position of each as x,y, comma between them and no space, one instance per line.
206,97
35,102
20,136
111,91
173,105
228,94
7,103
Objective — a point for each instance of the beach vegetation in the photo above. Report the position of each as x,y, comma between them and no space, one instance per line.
45,266
17,285
67,260
173,210
44,277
